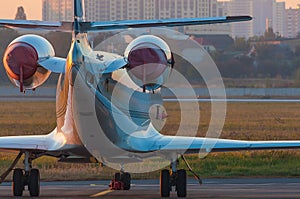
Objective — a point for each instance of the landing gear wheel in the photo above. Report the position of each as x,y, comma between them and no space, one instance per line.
126,179
181,183
18,183
165,183
34,183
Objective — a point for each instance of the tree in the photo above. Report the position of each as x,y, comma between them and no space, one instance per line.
297,77
241,44
297,51
20,14
269,34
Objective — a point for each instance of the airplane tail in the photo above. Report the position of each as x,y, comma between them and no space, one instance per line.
79,11
81,26
79,15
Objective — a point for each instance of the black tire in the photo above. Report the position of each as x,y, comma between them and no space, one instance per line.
126,179
34,183
117,177
18,184
181,183
165,183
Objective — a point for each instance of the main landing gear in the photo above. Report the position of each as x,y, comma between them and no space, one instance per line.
175,178
121,181
24,177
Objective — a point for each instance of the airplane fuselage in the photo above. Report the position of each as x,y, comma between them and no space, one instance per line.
96,112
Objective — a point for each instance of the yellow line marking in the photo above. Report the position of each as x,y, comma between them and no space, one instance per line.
101,193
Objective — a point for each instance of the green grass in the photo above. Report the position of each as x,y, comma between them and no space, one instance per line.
250,121
246,164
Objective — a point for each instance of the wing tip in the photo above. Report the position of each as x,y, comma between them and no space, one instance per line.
238,18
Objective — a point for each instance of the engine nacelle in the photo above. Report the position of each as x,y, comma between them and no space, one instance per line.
21,61
150,61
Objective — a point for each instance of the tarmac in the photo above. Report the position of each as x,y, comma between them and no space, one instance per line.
212,188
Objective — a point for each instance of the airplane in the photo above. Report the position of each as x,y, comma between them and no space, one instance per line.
92,125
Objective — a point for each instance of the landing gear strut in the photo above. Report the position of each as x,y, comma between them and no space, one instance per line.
175,178
24,177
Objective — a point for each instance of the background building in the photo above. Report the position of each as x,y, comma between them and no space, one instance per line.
242,7
20,14
57,10
101,10
263,13
109,10
266,14
292,23
279,18
150,9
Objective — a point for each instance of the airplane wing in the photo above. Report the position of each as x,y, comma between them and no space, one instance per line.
50,142
194,145
228,100
112,25
34,24
187,145
54,64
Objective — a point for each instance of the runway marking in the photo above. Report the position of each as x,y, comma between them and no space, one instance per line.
102,193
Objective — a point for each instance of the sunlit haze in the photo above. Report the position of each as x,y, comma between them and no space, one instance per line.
33,8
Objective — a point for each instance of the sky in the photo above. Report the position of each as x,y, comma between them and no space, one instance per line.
33,8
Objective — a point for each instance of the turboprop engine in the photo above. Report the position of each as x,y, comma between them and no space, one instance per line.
21,61
150,61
